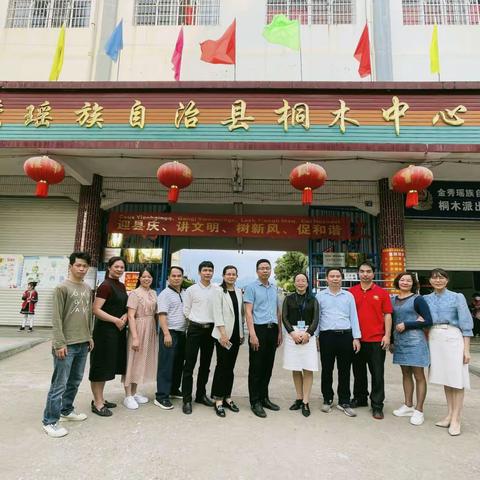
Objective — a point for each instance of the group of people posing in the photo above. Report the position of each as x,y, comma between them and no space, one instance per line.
166,336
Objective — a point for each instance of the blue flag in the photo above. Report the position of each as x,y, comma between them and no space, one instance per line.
115,42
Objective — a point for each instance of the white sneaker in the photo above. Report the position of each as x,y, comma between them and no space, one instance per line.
345,408
404,411
54,430
73,417
417,418
130,403
140,398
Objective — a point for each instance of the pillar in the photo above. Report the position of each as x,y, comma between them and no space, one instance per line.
391,232
88,234
382,40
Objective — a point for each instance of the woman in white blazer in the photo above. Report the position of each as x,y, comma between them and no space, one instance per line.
228,313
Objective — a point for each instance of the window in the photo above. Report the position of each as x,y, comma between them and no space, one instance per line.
442,12
48,13
177,12
313,12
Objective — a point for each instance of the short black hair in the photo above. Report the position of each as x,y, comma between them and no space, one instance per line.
33,284
81,256
413,276
439,272
331,269
175,266
142,271
476,294
367,263
262,260
206,264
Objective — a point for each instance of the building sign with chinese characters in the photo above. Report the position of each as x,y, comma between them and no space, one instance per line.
152,225
209,116
453,200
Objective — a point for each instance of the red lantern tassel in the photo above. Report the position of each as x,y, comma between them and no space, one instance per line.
412,199
307,196
173,194
42,189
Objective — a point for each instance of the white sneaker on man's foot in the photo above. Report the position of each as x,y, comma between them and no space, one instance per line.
73,417
130,403
140,399
347,410
417,418
54,430
404,411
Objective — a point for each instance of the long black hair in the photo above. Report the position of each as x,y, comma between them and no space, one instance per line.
307,291
228,267
142,271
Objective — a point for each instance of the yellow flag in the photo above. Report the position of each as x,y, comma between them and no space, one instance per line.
58,57
434,55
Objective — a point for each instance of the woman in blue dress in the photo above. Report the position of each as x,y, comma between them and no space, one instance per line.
449,343
410,316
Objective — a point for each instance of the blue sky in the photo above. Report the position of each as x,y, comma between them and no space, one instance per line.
244,261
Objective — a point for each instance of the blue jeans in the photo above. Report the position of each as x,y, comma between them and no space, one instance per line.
170,364
66,378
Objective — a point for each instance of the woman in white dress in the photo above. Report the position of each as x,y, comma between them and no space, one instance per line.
300,319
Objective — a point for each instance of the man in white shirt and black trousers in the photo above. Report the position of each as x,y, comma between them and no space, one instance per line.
197,307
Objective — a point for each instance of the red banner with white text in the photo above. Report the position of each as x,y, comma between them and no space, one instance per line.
198,225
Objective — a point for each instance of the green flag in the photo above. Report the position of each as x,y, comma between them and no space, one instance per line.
283,31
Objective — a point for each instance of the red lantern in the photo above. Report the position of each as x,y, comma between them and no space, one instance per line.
410,180
307,177
174,175
45,172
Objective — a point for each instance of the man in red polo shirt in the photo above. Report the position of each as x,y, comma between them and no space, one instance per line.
374,310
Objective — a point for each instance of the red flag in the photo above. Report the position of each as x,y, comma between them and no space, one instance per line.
362,54
177,55
221,50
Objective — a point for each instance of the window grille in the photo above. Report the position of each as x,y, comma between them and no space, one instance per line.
177,12
313,12
441,12
48,13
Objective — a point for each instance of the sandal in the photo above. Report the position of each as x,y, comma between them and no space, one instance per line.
102,412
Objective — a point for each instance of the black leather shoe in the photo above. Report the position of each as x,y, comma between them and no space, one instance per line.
305,410
358,402
297,405
187,408
231,406
205,401
219,410
377,414
270,405
258,410
102,412
109,404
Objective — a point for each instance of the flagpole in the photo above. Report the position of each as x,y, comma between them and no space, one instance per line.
300,51
235,71
371,43
118,66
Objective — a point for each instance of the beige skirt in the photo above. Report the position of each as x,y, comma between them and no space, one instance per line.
300,357
446,358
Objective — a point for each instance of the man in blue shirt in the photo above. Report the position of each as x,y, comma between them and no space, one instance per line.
262,316
339,337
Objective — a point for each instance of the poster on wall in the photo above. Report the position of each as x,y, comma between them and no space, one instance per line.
130,280
10,270
333,259
47,271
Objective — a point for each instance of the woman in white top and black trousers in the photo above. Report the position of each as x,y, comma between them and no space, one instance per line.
229,317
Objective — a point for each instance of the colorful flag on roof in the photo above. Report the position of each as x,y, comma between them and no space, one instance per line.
221,50
362,54
58,56
434,53
115,43
283,31
177,55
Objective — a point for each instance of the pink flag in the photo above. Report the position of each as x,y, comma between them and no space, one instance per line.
177,55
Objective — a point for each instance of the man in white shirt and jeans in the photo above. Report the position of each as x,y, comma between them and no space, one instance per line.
197,308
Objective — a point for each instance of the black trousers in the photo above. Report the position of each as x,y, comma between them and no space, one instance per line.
261,362
373,355
223,377
170,364
339,347
198,339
